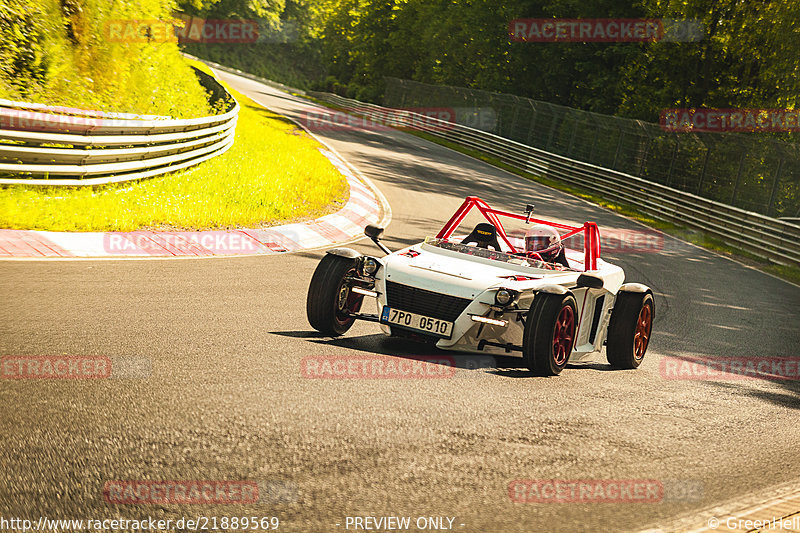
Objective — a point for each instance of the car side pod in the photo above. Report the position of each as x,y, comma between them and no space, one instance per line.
374,233
590,281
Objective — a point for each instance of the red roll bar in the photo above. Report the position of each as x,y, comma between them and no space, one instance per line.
591,234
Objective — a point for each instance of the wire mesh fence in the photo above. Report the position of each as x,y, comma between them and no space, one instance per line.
751,171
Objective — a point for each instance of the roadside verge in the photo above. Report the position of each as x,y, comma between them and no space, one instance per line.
366,205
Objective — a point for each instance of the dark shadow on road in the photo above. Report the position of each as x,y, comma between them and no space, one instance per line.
310,334
760,386
789,399
379,344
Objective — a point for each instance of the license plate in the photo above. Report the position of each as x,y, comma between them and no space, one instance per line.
424,324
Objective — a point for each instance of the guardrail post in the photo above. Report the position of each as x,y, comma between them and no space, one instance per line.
672,161
549,144
616,153
572,138
703,173
594,143
644,156
738,179
775,186
533,121
403,99
513,128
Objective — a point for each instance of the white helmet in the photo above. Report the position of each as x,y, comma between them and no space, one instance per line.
544,241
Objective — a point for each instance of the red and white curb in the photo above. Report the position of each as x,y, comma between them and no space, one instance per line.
366,205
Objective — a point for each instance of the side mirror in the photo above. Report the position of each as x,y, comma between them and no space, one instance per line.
374,233
592,282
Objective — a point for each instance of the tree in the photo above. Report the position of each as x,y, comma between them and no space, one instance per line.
269,10
747,58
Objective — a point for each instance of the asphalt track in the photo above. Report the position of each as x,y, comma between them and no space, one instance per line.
225,399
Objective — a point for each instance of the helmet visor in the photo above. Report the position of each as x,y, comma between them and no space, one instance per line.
537,243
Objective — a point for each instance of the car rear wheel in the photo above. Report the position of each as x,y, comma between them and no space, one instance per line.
550,333
629,329
330,301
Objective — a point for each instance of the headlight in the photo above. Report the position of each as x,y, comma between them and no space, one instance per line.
370,266
504,297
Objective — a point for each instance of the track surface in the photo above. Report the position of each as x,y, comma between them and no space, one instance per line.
226,398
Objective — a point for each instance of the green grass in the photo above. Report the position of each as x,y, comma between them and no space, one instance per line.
699,238
785,272
273,173
62,53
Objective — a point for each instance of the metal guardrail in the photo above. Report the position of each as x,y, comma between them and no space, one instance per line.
758,173
765,237
46,145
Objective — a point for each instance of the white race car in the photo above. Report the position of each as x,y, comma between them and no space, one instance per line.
483,292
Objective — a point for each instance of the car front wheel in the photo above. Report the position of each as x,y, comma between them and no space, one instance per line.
550,333
330,302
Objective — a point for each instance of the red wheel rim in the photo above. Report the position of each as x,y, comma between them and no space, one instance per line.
563,335
642,334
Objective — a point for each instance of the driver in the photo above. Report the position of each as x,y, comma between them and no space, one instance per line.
545,242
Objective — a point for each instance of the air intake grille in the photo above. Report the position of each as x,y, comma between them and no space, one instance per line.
422,302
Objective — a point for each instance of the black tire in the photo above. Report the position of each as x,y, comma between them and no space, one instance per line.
548,339
630,328
329,299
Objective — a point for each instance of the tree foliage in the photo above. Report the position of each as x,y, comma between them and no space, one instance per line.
747,56
269,10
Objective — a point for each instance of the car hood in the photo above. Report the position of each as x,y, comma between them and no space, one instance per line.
450,272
